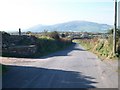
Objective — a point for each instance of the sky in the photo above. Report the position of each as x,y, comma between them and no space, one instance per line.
23,14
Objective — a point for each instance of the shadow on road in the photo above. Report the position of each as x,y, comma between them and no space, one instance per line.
64,52
33,77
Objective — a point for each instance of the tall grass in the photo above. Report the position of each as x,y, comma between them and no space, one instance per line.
101,47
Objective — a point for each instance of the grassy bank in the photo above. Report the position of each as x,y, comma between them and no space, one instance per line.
101,47
47,45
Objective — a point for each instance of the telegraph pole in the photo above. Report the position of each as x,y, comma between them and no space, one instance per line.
115,27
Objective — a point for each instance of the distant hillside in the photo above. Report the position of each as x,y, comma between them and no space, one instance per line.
80,26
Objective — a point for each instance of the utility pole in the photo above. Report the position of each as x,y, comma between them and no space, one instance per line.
115,27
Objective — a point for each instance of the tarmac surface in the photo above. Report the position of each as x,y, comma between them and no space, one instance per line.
73,67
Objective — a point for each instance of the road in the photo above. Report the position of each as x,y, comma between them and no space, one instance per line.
73,67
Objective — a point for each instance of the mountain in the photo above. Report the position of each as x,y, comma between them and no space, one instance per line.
78,26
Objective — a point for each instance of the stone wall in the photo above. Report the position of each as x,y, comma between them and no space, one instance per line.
18,45
21,50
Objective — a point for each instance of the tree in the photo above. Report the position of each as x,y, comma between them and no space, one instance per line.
110,31
63,35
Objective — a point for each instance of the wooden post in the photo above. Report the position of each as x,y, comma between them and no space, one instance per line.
19,31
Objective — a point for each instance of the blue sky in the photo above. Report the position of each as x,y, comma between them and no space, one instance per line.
27,13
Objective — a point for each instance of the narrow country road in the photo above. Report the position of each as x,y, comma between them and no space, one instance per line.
73,67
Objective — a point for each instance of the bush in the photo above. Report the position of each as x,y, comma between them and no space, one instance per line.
110,39
54,35
110,32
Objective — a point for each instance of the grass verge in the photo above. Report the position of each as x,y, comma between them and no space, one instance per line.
98,46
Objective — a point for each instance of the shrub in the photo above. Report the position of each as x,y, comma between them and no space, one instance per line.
63,35
54,35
